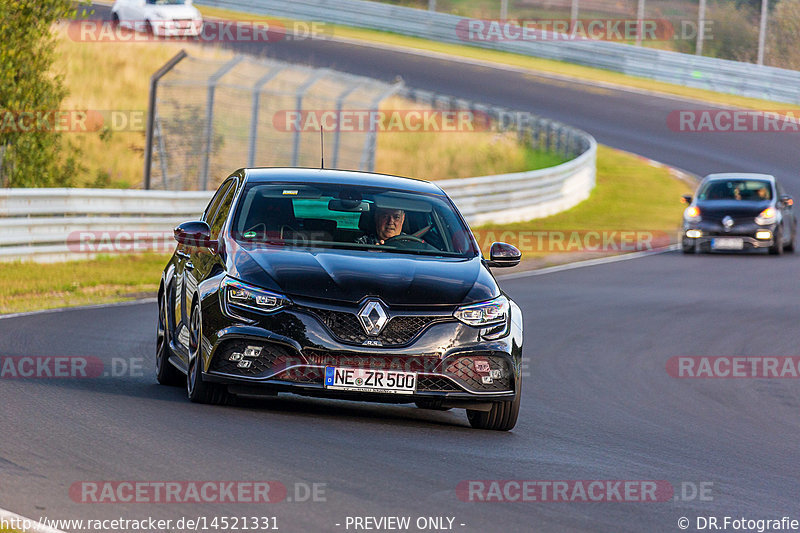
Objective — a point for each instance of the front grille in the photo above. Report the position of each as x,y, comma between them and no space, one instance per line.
271,357
399,330
464,370
436,384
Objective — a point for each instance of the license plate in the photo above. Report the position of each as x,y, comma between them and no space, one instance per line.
727,243
367,380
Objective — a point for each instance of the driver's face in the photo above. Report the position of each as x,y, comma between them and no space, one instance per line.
389,222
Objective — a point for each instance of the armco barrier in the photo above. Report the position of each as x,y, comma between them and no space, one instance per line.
43,224
720,75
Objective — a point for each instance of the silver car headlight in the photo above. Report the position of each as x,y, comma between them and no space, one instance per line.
241,295
485,313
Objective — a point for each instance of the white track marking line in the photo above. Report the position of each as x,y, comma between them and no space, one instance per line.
15,520
588,263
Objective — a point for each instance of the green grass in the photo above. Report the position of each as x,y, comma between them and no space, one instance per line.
534,64
630,195
27,286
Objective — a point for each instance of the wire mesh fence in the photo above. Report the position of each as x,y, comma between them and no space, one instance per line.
213,115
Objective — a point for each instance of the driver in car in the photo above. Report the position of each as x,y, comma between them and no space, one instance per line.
388,224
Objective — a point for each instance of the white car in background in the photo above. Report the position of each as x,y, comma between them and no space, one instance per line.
163,18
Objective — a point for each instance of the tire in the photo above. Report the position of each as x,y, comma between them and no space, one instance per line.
791,244
502,417
688,247
435,405
166,373
200,391
148,29
777,246
115,20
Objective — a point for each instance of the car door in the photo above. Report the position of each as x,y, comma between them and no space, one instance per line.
203,260
183,263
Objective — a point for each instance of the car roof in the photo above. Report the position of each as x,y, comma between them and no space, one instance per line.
339,177
739,176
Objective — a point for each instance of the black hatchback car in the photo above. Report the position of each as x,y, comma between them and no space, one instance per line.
739,212
339,284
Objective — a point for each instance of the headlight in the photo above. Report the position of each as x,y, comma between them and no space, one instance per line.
692,214
485,313
767,216
238,294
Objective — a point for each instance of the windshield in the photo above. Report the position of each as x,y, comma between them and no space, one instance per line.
333,216
738,190
166,2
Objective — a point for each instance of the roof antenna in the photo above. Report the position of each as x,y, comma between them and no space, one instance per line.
321,151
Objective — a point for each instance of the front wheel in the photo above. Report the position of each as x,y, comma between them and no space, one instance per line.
777,246
200,391
166,373
502,417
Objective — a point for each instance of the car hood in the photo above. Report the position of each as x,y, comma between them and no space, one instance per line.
173,12
349,276
731,208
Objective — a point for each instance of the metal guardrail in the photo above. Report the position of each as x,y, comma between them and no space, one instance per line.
62,224
714,74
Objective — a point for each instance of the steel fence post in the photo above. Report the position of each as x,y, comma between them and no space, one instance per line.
209,130
337,134
256,104
151,110
368,154
301,91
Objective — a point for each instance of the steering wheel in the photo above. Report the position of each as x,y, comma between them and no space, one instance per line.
405,237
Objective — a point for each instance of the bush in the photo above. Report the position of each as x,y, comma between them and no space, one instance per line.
30,158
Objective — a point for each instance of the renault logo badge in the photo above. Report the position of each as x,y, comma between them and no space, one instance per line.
373,317
727,222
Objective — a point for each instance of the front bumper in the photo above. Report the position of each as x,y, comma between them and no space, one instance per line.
296,344
703,234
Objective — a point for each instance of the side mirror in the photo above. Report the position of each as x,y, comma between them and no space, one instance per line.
686,199
195,233
503,255
786,200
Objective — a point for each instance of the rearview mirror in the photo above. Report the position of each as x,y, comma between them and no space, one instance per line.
503,255
787,200
195,233
686,199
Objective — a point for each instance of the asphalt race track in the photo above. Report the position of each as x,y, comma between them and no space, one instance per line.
598,402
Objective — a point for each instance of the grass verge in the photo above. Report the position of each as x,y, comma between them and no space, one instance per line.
534,64
28,287
630,195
